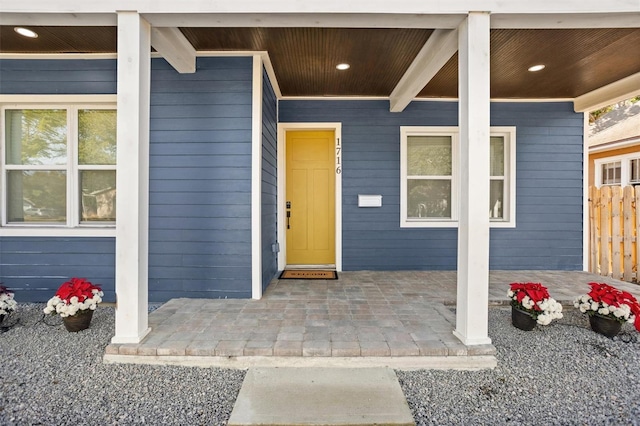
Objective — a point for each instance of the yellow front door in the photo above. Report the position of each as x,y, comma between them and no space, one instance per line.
310,203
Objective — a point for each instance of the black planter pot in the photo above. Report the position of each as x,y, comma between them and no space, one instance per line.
604,325
522,320
78,322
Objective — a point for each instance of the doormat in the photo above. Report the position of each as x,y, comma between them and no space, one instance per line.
308,274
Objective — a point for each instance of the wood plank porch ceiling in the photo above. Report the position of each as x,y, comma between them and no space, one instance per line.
304,59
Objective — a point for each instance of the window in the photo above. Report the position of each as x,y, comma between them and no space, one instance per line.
59,165
429,177
619,170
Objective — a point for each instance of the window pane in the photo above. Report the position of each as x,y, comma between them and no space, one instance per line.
428,198
611,173
497,156
429,156
635,170
496,199
36,196
36,137
96,136
98,195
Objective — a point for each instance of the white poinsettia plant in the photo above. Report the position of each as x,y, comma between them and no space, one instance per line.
7,304
74,297
534,299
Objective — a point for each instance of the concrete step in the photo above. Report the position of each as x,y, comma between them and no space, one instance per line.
321,396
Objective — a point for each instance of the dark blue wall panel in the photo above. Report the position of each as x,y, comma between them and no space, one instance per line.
200,187
55,77
549,185
200,180
269,181
35,267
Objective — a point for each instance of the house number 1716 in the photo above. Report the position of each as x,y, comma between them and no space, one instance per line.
338,157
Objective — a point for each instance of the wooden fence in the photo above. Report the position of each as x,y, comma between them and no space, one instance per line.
614,223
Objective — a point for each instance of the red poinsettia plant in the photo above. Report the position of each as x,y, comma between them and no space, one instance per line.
607,301
534,299
73,297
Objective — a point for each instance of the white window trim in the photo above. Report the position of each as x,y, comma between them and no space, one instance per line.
73,226
625,168
509,208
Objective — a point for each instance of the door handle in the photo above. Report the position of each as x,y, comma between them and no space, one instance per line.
288,217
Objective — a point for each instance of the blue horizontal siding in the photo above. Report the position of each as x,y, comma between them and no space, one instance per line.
269,231
52,77
214,142
200,180
548,184
35,267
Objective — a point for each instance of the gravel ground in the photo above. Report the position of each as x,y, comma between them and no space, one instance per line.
52,377
560,374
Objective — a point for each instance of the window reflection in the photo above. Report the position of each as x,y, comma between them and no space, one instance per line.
36,137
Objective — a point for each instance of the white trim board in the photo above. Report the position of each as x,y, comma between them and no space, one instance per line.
251,10
282,190
585,194
58,99
256,180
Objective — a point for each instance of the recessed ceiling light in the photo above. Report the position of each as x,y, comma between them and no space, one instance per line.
536,68
26,32
343,67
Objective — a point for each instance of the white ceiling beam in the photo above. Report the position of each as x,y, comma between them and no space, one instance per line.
438,49
617,91
175,48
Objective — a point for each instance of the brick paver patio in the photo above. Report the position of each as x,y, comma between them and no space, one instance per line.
362,314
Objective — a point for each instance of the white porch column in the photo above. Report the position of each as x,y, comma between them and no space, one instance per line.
132,199
473,230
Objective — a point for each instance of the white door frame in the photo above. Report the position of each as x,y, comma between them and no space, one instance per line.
283,128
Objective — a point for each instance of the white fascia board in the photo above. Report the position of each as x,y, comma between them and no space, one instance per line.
59,19
363,19
573,21
321,6
175,48
617,91
439,48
